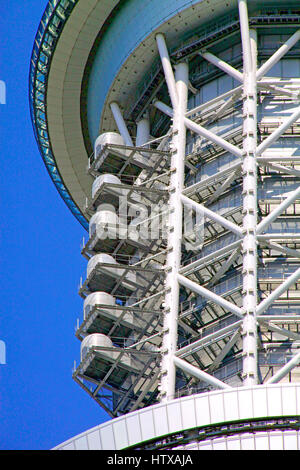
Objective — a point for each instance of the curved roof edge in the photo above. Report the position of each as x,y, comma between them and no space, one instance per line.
50,28
195,411
66,169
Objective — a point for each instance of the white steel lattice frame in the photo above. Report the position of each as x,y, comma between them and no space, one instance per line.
169,158
250,232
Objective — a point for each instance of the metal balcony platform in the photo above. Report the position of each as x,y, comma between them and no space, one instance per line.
107,245
127,162
122,249
115,279
127,386
115,194
118,320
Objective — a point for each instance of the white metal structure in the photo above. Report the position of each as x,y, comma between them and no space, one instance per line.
178,422
194,238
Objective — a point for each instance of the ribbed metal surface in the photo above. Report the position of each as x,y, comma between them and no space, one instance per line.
156,423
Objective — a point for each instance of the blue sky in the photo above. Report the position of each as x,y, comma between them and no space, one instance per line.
40,404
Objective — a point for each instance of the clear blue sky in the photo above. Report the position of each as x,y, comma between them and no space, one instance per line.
40,404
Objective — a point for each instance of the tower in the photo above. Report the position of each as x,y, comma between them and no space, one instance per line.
171,130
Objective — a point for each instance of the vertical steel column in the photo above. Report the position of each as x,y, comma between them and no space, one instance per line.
121,123
249,172
142,131
169,344
167,66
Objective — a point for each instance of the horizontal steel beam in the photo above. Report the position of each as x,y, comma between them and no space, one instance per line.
279,236
278,318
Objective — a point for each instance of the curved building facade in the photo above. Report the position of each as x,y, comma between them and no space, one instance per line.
172,132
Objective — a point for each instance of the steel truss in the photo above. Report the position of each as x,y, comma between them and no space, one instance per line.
178,343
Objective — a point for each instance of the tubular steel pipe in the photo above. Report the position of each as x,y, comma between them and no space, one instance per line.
167,67
249,172
212,215
201,130
199,374
285,369
277,292
279,131
263,225
169,342
278,55
210,295
121,123
221,64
